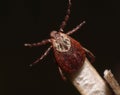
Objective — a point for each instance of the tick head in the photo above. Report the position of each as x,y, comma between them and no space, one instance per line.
54,34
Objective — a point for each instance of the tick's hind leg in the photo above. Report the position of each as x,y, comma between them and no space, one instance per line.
44,42
62,74
90,54
45,54
66,18
76,28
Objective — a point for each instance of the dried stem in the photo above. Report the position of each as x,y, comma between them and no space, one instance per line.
112,81
88,81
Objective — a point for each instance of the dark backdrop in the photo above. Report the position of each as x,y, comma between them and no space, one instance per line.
24,21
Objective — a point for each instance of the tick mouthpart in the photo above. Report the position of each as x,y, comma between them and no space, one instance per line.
54,34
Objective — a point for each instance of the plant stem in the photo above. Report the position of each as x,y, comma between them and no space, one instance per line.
88,82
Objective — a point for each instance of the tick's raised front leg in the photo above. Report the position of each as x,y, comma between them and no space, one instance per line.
44,42
76,28
66,18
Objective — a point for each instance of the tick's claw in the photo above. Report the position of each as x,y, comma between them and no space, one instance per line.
31,65
26,44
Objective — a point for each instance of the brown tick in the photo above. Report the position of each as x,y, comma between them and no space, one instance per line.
69,53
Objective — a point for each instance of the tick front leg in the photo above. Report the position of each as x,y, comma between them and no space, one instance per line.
90,54
76,28
62,74
66,18
44,42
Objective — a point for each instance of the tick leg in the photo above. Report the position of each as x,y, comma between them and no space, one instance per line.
44,42
90,54
62,74
76,28
46,53
66,17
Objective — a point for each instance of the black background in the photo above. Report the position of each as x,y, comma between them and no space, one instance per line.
24,21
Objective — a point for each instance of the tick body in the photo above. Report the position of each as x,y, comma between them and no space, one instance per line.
68,52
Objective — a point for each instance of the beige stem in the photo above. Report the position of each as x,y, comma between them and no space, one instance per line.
88,82
112,81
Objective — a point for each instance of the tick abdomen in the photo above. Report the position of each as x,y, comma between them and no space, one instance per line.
71,60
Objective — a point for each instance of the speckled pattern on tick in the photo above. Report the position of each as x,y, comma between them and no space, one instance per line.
69,53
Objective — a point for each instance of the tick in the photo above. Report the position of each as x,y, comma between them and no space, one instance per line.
68,52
